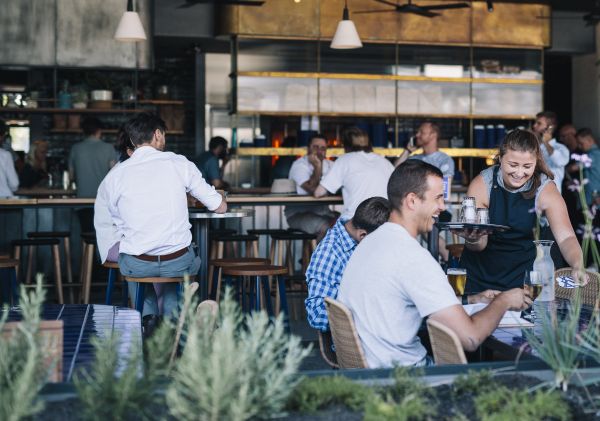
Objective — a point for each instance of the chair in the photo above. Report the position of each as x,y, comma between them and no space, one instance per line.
325,344
219,264
589,292
65,236
232,242
348,348
446,346
51,337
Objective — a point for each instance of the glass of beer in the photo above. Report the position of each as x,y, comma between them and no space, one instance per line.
532,283
458,279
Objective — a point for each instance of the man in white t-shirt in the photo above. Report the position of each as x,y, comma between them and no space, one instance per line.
360,172
306,173
556,155
9,182
391,283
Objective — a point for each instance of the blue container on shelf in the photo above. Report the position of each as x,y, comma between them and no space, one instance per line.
379,135
500,133
479,136
305,136
490,136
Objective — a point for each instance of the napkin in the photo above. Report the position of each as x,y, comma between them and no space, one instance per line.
510,318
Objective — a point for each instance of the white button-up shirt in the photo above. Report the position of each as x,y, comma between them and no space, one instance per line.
9,182
142,203
557,161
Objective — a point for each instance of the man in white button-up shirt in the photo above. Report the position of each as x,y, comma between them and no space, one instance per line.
556,155
146,199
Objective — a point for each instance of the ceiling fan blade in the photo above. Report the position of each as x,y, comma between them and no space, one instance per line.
362,12
389,3
190,3
445,6
423,13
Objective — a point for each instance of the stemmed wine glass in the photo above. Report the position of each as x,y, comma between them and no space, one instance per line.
532,283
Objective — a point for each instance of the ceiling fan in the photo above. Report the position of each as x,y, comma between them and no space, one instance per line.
410,7
191,3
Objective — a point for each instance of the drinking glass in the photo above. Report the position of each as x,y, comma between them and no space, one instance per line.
532,283
458,279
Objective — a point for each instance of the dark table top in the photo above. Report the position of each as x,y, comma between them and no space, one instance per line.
86,321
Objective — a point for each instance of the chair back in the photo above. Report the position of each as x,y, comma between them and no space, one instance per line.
325,346
588,293
51,345
348,348
446,346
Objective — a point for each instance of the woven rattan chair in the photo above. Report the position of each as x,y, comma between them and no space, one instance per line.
347,343
589,292
325,343
446,346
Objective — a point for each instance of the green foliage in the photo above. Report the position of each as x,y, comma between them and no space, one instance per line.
504,404
22,372
557,342
246,368
407,382
474,382
313,394
412,407
115,387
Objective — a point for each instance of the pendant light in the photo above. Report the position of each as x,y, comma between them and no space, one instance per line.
130,26
346,36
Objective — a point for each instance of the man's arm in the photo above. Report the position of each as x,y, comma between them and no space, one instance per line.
312,183
201,190
472,331
320,191
404,155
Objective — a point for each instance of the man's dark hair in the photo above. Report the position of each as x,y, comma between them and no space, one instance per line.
371,213
3,128
141,128
585,132
217,141
410,177
355,140
90,125
316,136
548,115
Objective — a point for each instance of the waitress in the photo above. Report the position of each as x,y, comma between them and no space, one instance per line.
513,189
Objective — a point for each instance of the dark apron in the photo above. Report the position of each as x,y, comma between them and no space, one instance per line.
502,264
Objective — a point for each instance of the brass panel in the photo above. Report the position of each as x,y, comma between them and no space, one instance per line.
390,152
378,27
281,18
511,25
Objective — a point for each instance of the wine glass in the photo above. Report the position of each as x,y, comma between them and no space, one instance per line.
532,283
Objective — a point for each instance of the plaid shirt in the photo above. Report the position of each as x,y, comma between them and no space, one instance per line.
325,271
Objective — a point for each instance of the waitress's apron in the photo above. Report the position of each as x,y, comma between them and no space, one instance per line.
502,264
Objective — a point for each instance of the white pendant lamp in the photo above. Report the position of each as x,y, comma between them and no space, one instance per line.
130,27
346,37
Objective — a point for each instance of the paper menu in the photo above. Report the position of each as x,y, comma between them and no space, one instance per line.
510,318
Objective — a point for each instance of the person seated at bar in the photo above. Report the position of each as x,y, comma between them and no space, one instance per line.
9,181
146,198
360,172
35,171
329,259
306,173
515,190
208,162
391,283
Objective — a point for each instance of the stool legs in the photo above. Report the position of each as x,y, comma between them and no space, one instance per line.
17,256
67,249
283,302
139,297
57,274
112,274
30,259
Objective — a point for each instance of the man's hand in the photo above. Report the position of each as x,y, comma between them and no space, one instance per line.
547,135
580,277
314,160
483,297
515,299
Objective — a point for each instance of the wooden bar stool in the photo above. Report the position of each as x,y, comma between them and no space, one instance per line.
233,240
113,275
64,236
219,264
32,245
141,283
261,274
281,248
265,232
88,245
9,283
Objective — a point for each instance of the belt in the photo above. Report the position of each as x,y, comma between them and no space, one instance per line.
163,258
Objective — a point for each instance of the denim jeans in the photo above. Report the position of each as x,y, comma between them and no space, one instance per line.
162,299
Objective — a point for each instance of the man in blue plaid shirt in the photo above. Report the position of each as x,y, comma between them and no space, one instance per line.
329,259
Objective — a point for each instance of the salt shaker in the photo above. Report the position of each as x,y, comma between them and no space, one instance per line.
469,213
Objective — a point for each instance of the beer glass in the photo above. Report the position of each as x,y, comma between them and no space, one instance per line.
458,279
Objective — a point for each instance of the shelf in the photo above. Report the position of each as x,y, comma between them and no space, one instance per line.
374,115
389,152
357,76
108,131
69,110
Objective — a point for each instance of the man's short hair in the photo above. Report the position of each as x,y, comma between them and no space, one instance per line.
3,128
434,128
548,115
585,132
371,213
91,125
316,136
141,128
217,141
410,177
355,139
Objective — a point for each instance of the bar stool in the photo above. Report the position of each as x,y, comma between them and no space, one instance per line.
141,283
261,274
250,241
64,236
114,274
88,246
10,293
32,245
282,244
219,264
265,232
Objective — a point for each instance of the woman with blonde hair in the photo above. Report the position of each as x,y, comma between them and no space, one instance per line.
515,190
35,171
